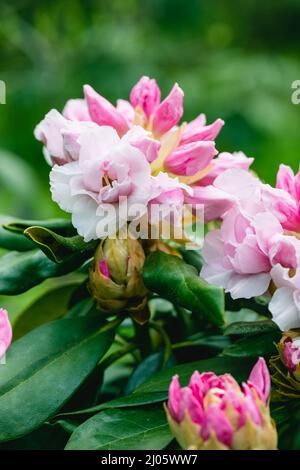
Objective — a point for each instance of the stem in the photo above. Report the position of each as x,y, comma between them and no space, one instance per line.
143,339
166,340
111,325
117,355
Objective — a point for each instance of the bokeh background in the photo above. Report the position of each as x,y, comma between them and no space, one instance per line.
234,59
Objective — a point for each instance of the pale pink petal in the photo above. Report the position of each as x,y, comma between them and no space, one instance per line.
284,307
226,161
76,110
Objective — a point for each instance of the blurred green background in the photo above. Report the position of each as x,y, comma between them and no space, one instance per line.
234,59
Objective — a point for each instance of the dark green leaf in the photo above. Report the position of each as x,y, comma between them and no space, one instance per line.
179,282
44,369
254,346
251,328
146,369
192,257
51,306
61,226
141,429
13,241
58,247
156,389
21,271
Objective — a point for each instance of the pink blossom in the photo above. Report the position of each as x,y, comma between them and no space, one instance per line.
108,168
187,148
5,332
217,407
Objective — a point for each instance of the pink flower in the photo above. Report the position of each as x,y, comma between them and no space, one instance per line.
59,135
5,332
108,168
214,412
183,150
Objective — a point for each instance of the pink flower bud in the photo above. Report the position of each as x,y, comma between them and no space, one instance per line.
260,379
190,158
145,94
169,112
214,412
5,332
291,353
103,112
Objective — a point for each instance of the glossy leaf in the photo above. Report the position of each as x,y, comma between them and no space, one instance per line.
43,370
13,241
172,278
251,328
156,389
254,346
58,247
145,429
21,271
61,226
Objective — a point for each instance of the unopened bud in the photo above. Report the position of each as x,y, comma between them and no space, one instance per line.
115,277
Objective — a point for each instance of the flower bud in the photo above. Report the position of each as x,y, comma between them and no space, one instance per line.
146,95
215,413
5,332
103,112
286,367
115,277
169,112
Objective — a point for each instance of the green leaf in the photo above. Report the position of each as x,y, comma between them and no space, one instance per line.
12,241
156,389
146,369
142,429
254,346
61,226
251,328
43,370
244,314
57,247
51,306
21,271
192,257
179,282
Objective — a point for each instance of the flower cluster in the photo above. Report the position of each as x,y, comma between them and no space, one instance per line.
215,413
136,150
256,250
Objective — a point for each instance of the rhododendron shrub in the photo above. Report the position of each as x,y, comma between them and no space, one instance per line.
121,337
